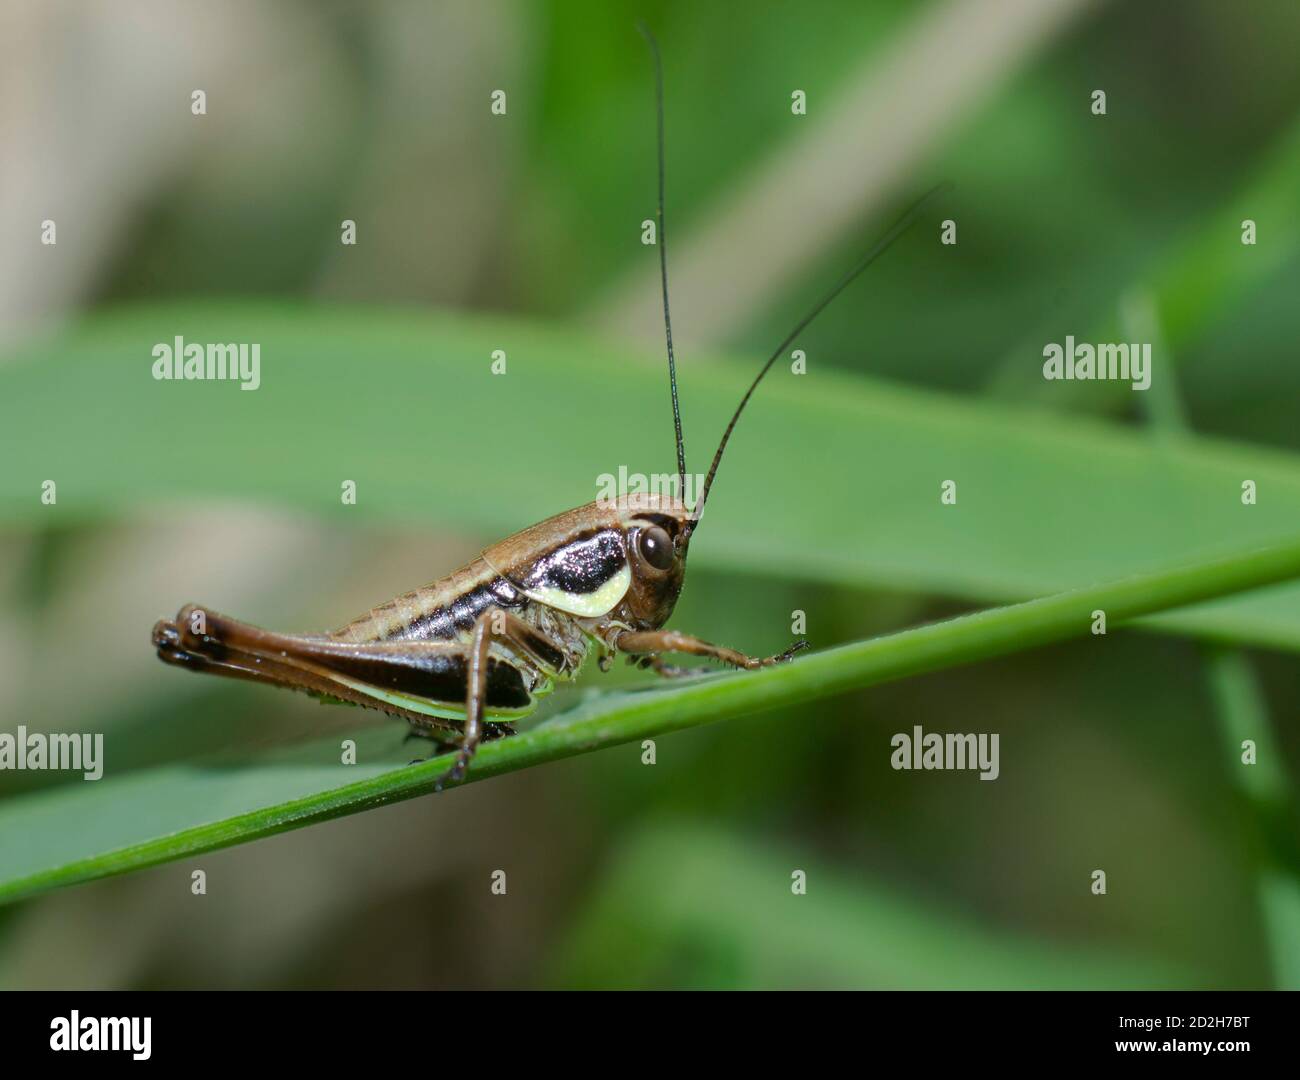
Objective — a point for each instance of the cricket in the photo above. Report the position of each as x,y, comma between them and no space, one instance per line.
465,657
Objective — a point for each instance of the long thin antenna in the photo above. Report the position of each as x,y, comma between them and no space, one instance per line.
663,256
882,245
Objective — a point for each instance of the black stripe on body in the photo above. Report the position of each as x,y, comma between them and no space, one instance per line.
457,622
582,565
452,622
441,677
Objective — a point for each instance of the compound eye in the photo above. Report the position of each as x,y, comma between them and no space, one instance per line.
655,547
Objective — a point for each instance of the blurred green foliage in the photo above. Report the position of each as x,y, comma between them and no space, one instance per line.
678,875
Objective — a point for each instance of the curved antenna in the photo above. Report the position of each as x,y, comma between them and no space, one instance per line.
663,257
882,245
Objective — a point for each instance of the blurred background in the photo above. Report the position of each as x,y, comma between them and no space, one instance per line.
471,227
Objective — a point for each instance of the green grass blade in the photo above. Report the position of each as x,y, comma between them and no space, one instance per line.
1241,710
405,405
91,830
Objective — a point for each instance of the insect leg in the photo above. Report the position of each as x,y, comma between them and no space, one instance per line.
445,742
497,624
176,646
657,664
661,641
423,681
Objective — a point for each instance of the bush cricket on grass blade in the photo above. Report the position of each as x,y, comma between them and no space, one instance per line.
462,658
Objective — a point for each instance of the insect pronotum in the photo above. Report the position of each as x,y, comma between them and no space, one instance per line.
464,657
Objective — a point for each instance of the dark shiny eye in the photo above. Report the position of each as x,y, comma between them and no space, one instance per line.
656,547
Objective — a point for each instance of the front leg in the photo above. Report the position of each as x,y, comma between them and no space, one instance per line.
662,641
